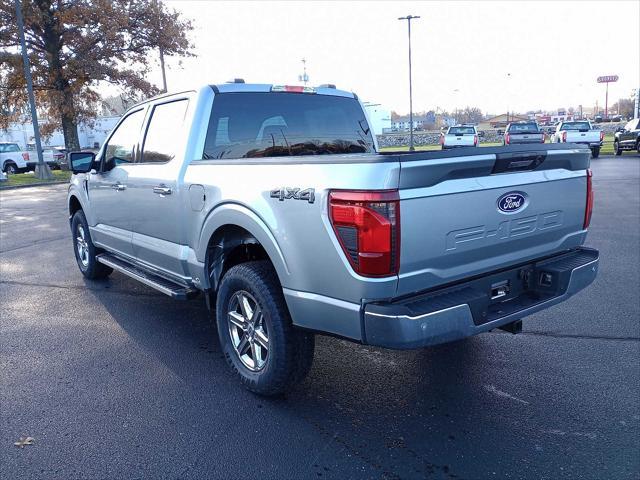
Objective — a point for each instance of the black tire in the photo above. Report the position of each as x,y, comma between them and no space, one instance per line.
638,146
289,356
87,262
616,149
10,168
595,152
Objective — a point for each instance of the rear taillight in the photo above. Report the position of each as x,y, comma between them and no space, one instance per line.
588,210
475,140
544,137
441,139
25,156
601,135
507,139
564,136
367,225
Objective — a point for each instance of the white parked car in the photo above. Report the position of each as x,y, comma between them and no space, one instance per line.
459,136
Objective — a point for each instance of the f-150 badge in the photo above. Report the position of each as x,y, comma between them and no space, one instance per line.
286,193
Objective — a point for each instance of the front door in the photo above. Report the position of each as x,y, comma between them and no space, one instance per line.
109,188
158,233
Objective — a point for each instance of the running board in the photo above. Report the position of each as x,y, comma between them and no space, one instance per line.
174,290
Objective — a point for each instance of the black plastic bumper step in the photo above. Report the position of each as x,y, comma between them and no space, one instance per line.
161,284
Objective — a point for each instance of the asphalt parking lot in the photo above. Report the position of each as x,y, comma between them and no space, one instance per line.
114,380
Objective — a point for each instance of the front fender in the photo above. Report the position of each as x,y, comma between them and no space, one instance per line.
77,189
241,216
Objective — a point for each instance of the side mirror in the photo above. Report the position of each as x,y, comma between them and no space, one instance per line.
619,129
81,162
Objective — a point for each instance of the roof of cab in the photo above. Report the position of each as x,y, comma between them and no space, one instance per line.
266,88
233,87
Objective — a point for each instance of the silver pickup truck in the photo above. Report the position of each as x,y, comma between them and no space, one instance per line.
272,203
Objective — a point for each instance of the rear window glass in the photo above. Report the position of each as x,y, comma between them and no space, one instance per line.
255,125
580,126
462,131
524,128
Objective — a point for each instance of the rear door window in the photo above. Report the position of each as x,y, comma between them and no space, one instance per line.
164,133
256,125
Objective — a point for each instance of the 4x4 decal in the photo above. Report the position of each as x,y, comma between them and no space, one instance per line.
286,193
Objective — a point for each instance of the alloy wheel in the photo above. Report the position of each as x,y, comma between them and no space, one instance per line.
249,335
82,246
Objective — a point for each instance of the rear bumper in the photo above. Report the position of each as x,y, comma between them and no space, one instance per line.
467,309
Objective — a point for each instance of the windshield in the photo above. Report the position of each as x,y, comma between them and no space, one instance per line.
577,126
254,125
462,131
9,148
523,128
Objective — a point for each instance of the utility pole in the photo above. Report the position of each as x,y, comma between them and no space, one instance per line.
164,74
162,68
408,18
42,169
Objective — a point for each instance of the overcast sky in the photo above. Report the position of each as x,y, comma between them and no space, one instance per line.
462,51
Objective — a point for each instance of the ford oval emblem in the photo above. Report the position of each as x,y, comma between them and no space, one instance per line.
512,202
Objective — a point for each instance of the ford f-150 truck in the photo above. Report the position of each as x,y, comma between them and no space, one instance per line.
523,132
272,203
459,136
579,132
14,160
628,137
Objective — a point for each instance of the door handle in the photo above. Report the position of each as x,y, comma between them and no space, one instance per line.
118,186
162,190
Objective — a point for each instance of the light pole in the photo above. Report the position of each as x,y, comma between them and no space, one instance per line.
408,18
42,169
508,90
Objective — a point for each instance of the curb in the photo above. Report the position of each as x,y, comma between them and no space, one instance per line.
30,185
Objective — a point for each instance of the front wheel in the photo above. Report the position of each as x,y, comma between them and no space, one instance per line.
595,152
10,168
616,149
85,250
256,334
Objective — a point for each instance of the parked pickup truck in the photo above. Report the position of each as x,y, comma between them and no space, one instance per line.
272,203
523,132
459,136
579,132
627,137
14,160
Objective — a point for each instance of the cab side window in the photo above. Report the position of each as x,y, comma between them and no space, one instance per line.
164,133
119,149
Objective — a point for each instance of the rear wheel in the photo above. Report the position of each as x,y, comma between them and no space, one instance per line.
256,334
85,250
616,148
638,146
595,152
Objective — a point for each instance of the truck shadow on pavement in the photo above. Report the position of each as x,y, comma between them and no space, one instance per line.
401,413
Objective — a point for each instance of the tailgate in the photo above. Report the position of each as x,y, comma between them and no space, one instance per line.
592,136
463,214
458,140
525,137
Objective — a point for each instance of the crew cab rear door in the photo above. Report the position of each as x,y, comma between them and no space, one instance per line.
464,213
154,191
